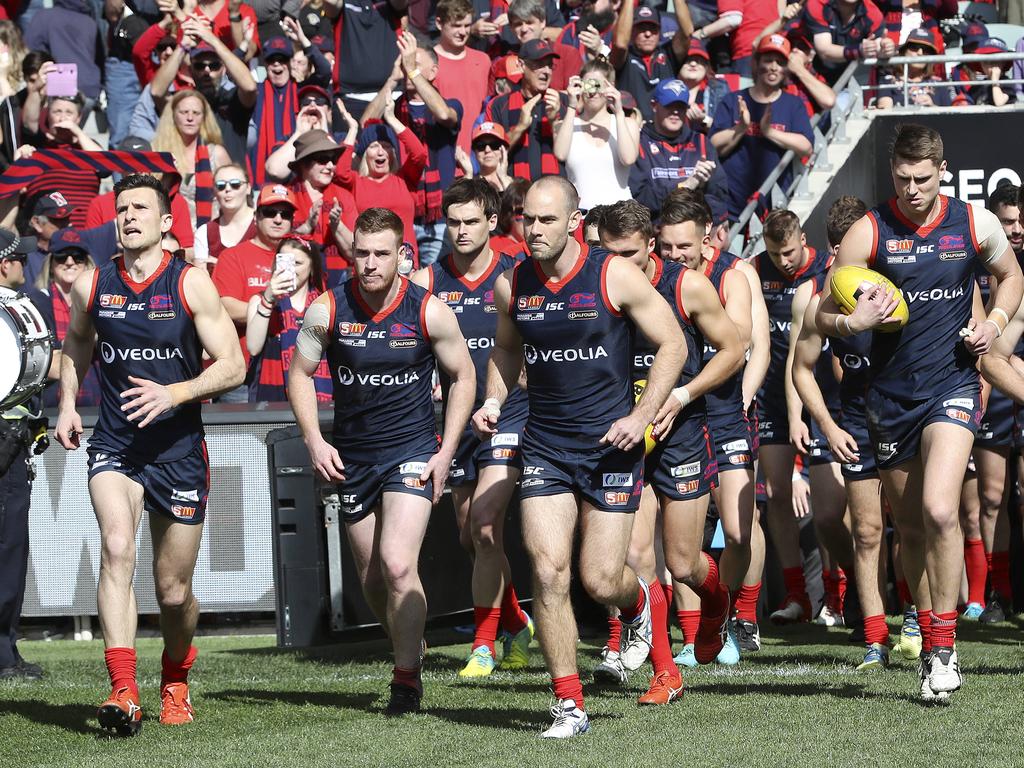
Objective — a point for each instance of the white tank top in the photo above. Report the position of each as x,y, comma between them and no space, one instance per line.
594,168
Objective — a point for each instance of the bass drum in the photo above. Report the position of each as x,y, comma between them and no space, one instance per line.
26,349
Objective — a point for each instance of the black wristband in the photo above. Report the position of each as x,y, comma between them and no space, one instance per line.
851,53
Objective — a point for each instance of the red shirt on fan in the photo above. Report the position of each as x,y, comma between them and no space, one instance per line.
101,210
242,272
465,80
757,14
334,261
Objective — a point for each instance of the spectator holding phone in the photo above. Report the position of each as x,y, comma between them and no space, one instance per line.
237,219
69,32
275,319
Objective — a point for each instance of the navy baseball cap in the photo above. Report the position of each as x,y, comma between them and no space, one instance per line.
536,50
671,92
53,205
645,15
921,37
972,35
992,45
201,49
277,46
67,240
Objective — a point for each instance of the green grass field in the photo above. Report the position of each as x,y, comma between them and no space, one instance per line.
797,702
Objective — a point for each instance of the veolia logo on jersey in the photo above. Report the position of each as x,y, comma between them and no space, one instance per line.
110,353
571,355
347,377
935,294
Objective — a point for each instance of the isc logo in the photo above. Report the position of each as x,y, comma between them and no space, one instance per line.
352,329
530,302
555,305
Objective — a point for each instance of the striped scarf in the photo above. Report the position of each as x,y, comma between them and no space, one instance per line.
279,349
272,102
22,171
427,196
521,166
204,185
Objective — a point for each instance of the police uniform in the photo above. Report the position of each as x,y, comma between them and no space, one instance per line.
923,374
382,367
473,305
578,351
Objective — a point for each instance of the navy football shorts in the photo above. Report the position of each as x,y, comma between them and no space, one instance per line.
175,489
733,436
610,479
896,425
472,454
996,429
855,421
365,484
678,472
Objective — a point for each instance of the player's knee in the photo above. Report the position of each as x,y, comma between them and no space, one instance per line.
486,536
681,564
602,584
867,534
549,576
941,517
119,553
991,501
399,573
173,594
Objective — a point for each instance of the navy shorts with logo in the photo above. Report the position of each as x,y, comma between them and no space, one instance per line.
997,424
855,421
678,471
773,429
610,479
175,489
365,484
472,454
896,425
733,436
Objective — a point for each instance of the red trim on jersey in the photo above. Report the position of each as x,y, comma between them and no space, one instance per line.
927,229
181,290
472,285
378,316
512,292
874,239
604,289
807,265
679,296
721,288
974,235
138,288
92,291
430,279
715,253
423,318
558,285
659,267
334,307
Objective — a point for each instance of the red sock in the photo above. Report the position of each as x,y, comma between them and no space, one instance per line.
568,687
904,590
876,630
944,629
669,591
614,634
924,620
661,650
1000,570
486,620
121,668
409,677
793,578
744,601
513,620
177,671
688,622
977,567
839,575
828,584
711,592
631,611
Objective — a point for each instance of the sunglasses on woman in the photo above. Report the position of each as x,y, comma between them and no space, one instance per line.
494,145
223,184
77,256
308,101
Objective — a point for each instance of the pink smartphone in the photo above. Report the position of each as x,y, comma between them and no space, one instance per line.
63,81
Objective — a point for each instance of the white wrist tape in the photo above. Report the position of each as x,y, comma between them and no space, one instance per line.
682,395
492,405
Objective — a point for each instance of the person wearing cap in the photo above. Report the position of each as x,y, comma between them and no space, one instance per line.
984,77
755,127
16,481
641,60
245,270
672,155
527,20
490,148
153,48
802,78
51,212
506,73
843,31
436,122
462,72
210,61
596,141
531,114
706,90
919,43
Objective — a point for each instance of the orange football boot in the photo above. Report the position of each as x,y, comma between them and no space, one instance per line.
121,713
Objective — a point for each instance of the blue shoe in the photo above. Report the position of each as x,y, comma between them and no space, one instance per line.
973,611
685,657
876,657
730,653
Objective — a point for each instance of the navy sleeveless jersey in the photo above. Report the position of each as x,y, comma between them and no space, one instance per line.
667,280
934,267
144,330
578,351
473,305
382,365
727,398
779,289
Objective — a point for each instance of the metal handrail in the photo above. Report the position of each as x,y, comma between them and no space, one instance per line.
963,58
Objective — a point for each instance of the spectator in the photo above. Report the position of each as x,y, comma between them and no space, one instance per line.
490,148
527,19
744,19
381,180
592,224
236,222
843,31
70,34
68,258
531,130
803,79
984,78
275,318
706,90
591,32
188,130
1018,70
510,237
435,121
597,141
230,21
277,104
314,114
209,58
506,73
12,93
672,155
308,64
754,128
639,57
153,48
244,270
35,68
904,16
51,212
919,76
462,72
365,47
121,83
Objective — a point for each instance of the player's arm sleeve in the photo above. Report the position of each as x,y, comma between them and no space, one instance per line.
990,239
311,342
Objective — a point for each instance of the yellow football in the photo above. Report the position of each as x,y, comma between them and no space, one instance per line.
650,441
846,286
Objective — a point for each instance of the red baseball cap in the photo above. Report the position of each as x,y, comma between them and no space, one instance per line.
276,193
775,43
508,67
490,129
698,49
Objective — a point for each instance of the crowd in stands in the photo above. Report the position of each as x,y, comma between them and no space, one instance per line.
286,119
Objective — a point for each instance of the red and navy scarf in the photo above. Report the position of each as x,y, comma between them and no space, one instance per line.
278,350
22,171
549,164
427,196
204,185
276,109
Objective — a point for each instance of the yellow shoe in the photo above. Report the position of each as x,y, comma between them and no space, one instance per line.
479,664
910,644
517,647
